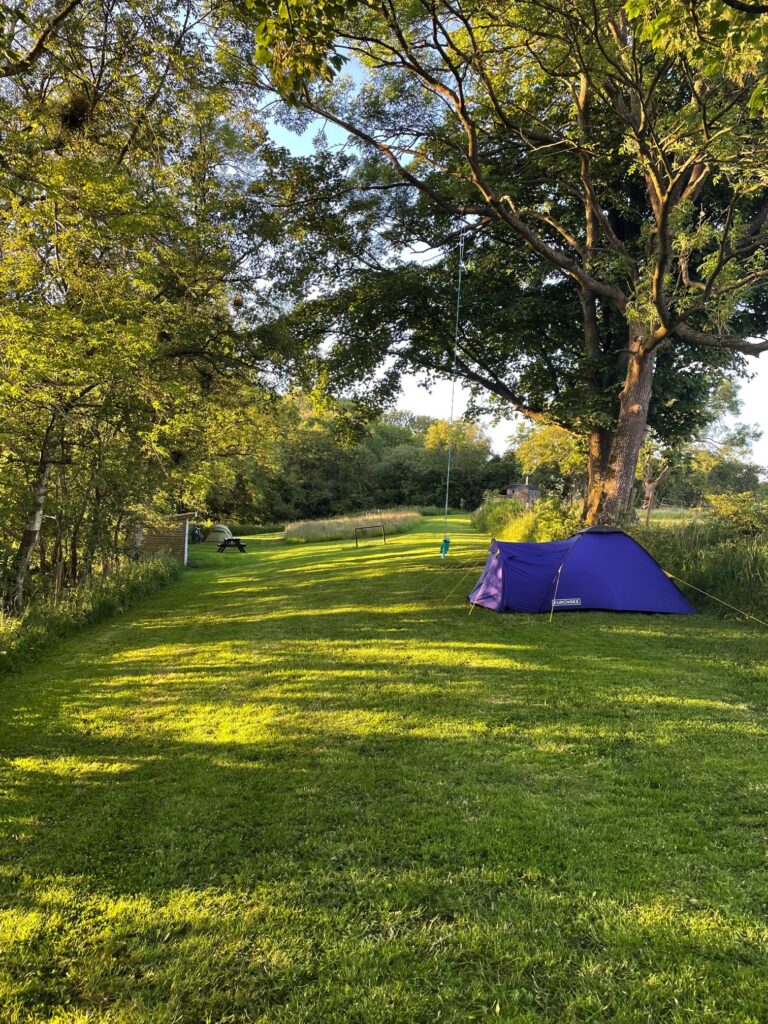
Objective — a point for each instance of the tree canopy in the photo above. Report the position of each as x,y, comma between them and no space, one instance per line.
603,167
132,229
171,278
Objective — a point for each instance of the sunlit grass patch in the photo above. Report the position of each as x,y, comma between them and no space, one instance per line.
674,516
306,786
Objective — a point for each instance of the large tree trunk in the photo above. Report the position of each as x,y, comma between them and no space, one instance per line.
611,489
599,453
31,533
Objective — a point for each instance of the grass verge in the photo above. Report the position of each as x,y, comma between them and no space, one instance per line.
716,560
100,597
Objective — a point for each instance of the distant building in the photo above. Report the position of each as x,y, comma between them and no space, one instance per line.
526,494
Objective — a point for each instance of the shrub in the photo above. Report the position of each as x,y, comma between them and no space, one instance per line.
746,512
343,527
506,519
521,529
714,558
94,599
496,515
556,519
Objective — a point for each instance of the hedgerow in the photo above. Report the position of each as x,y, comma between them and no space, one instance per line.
96,598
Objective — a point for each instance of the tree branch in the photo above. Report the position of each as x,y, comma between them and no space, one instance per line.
18,67
730,342
755,10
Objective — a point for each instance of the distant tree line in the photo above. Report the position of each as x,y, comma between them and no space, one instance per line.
320,467
322,464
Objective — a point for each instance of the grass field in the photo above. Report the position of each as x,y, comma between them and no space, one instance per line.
672,516
343,527
301,786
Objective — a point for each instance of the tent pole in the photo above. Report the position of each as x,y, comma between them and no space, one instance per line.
554,596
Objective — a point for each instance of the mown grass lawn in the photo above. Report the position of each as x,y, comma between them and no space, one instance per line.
300,786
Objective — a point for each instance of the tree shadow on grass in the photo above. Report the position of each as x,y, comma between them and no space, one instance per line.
304,806
333,731
193,878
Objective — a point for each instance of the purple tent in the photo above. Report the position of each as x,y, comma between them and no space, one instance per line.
598,568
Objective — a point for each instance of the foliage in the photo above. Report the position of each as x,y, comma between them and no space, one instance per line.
745,512
556,458
313,785
614,201
100,597
556,519
133,348
296,38
717,461
551,518
343,527
313,469
717,558
521,529
720,38
496,514
317,467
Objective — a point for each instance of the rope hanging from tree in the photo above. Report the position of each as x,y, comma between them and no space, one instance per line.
446,541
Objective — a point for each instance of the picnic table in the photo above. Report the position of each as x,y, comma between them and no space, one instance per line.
232,542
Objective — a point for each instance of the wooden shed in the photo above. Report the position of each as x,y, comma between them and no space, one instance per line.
526,494
171,536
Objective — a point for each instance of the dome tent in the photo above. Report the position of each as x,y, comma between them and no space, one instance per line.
599,568
217,533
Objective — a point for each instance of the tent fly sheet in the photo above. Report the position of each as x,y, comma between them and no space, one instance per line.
217,533
598,569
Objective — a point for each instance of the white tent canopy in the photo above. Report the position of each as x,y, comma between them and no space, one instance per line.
217,533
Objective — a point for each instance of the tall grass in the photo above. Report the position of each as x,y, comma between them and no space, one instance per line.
254,529
715,559
343,527
46,619
435,510
497,515
506,519
671,516
521,530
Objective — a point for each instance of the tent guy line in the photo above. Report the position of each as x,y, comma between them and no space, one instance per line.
725,604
